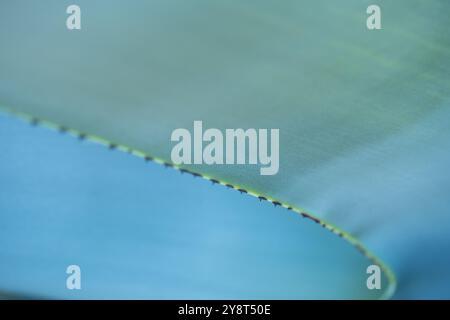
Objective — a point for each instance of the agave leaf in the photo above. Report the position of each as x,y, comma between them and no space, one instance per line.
363,115
138,230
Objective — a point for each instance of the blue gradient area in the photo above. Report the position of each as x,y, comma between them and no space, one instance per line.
139,230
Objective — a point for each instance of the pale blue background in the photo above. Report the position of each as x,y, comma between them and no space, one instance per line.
138,230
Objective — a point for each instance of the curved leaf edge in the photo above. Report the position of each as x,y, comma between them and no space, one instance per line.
352,240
